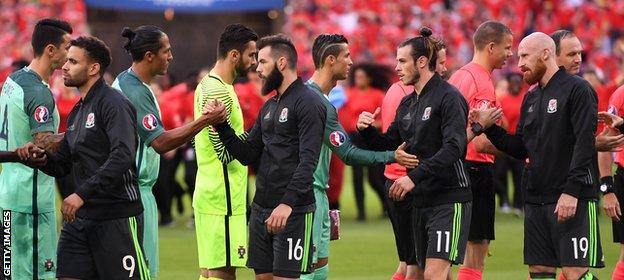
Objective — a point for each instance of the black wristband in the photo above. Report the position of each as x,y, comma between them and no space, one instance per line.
476,128
606,184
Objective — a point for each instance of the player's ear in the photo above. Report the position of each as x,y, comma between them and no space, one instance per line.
94,69
282,63
235,55
490,47
149,55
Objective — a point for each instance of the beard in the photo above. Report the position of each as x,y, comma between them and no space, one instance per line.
76,81
414,80
272,82
534,75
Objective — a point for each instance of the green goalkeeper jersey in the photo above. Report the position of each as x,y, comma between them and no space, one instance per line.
335,140
221,183
26,107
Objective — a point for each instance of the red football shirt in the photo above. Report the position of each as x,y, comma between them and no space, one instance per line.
358,101
65,105
476,85
389,106
616,106
511,110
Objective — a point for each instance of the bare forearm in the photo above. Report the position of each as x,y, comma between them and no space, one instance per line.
9,157
604,163
176,137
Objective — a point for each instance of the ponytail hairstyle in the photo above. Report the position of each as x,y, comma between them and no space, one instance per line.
141,40
424,45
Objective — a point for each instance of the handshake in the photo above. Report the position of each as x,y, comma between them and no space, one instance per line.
31,155
213,113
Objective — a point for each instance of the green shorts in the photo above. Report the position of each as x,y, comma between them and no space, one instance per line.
150,230
321,228
221,240
22,245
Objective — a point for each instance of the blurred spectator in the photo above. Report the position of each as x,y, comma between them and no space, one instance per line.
598,24
17,18
366,93
249,98
510,102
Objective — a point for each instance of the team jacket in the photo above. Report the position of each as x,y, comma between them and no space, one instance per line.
556,133
99,148
286,138
433,124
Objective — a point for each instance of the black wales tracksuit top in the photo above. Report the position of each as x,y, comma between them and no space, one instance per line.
556,133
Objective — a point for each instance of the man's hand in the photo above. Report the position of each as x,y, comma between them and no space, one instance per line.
566,207
366,119
31,155
400,188
609,119
71,204
612,206
277,221
485,117
213,113
609,140
48,141
404,158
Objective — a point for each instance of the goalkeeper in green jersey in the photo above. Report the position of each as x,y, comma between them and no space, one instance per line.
220,197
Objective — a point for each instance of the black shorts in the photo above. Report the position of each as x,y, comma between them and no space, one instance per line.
575,242
400,213
483,201
102,249
286,254
618,226
442,232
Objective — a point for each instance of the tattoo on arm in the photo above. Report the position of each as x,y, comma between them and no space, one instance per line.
48,140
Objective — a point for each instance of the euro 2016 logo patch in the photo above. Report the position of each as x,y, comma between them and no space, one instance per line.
150,122
337,138
426,114
283,115
41,114
552,106
612,110
483,104
90,120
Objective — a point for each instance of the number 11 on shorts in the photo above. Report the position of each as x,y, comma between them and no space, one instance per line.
447,235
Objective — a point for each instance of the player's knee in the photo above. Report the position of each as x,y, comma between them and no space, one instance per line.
543,275
321,263
580,273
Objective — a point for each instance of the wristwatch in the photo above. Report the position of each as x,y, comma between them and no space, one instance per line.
606,185
476,128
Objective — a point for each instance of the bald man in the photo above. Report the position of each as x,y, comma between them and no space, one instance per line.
555,135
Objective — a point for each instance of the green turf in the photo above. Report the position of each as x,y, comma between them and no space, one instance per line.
367,251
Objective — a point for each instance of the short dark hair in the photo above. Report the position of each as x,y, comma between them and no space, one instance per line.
280,45
96,50
423,45
49,31
488,32
143,39
235,37
558,36
326,45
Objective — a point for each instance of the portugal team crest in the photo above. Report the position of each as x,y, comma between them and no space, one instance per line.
90,120
241,252
337,138
49,265
150,122
41,114
284,115
552,106
426,114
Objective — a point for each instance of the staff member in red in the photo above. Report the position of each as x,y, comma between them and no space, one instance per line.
492,47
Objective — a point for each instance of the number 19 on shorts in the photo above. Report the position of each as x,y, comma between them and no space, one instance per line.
580,244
